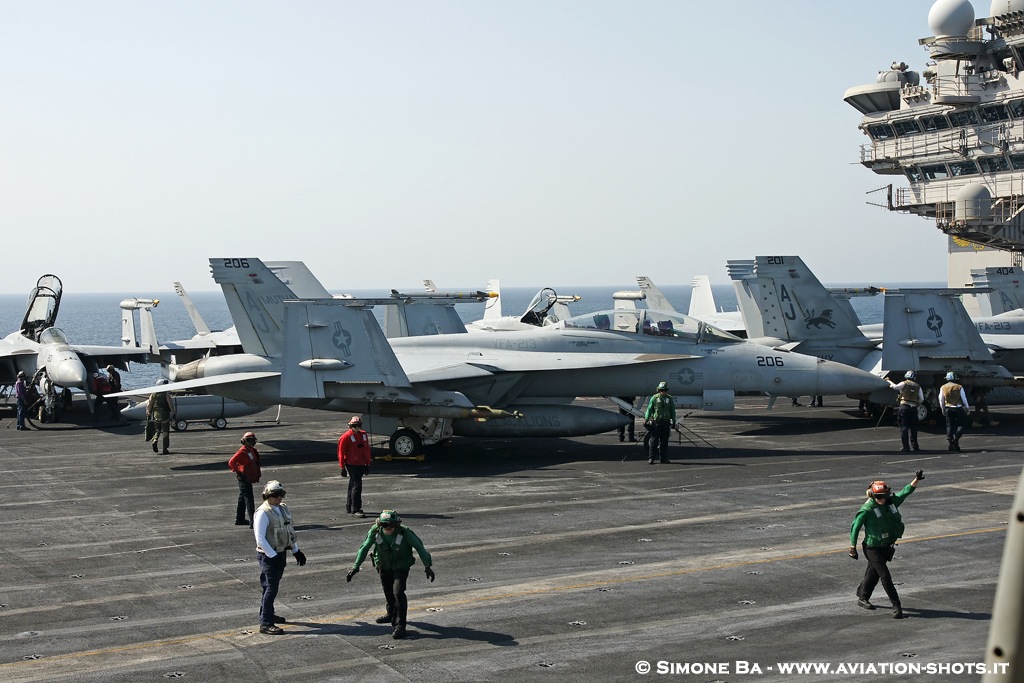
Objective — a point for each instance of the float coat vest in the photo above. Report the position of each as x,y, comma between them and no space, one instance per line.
280,532
908,394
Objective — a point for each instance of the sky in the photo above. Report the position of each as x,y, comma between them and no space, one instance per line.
541,142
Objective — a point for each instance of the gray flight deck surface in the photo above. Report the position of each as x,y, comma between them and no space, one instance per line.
556,559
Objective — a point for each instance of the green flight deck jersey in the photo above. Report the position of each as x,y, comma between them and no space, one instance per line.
883,524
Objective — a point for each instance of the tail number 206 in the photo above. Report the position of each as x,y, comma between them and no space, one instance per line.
769,362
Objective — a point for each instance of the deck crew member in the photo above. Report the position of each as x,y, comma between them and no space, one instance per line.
392,544
910,396
953,402
354,458
245,463
883,526
158,409
21,396
275,535
660,418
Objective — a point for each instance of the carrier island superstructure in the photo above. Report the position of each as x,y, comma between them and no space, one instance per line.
954,134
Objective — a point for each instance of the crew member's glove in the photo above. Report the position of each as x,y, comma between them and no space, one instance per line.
351,573
300,557
344,472
919,474
853,552
648,424
430,574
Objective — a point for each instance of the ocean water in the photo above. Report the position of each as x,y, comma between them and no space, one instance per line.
96,318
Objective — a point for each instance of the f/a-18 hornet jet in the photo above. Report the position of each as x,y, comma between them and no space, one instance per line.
331,354
38,346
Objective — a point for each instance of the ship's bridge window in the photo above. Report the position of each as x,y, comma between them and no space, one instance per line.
960,168
993,164
963,117
914,174
881,131
1017,161
1016,108
905,127
935,172
933,123
994,112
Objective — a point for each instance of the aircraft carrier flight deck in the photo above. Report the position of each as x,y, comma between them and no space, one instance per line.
556,559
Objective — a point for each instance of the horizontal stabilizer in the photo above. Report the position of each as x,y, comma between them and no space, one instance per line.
201,383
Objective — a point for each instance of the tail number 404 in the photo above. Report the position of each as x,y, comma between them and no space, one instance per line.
769,362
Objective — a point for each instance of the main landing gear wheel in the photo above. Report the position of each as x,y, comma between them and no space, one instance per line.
922,412
405,443
179,425
219,423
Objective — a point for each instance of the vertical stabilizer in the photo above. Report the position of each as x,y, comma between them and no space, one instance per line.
702,299
190,308
299,279
1007,290
255,299
921,325
780,297
421,319
655,299
331,342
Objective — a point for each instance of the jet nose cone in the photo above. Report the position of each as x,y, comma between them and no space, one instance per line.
838,379
69,373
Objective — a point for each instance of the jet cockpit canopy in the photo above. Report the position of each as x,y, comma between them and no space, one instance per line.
652,322
42,307
53,335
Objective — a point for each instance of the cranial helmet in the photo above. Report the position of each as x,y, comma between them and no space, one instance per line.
273,487
910,374
249,438
110,368
878,488
21,373
950,376
162,381
356,421
662,385
389,517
